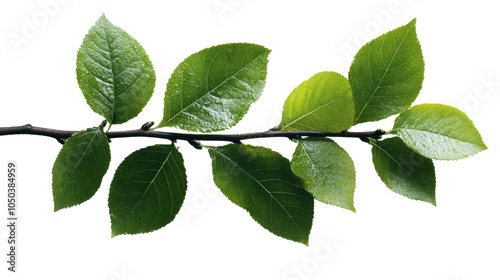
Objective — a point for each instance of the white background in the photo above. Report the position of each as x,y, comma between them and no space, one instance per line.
390,237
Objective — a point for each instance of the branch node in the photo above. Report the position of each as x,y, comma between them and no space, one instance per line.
61,140
365,139
147,125
103,124
195,144
236,141
379,133
276,128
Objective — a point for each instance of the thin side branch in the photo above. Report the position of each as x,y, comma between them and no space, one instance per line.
61,135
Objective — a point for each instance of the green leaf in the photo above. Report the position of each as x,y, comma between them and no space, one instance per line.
322,103
114,72
147,190
79,168
404,171
439,132
329,168
212,90
387,74
261,181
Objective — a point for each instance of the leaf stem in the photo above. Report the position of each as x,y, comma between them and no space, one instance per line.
190,137
109,127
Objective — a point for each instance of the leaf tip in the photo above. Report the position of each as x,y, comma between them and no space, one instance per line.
57,208
431,199
482,146
61,205
302,240
103,17
114,230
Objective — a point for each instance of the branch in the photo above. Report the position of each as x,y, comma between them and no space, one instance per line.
62,135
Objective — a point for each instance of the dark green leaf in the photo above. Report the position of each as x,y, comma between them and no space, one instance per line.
147,190
439,132
79,168
261,181
322,103
329,168
387,74
404,171
114,72
212,90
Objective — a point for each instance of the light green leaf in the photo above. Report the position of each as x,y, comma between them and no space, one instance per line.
439,132
79,168
147,190
261,181
114,72
330,169
322,103
387,74
212,90
404,171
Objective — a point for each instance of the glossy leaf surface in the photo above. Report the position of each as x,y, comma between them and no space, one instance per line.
79,168
330,169
439,132
114,72
261,181
322,103
147,190
403,170
387,74
213,89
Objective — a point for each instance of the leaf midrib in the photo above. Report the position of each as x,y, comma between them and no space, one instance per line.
111,58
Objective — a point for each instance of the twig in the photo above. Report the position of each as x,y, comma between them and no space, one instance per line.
61,135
